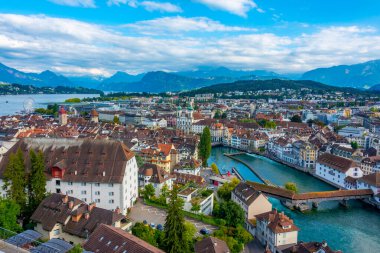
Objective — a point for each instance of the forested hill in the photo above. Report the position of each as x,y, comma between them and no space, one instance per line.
274,84
18,89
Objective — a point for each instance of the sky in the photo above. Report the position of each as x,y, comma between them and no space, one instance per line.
100,37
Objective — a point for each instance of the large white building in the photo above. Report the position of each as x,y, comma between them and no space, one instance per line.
336,169
101,171
185,119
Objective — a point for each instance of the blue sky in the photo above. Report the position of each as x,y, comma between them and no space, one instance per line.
99,37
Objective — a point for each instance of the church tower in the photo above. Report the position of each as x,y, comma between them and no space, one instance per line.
62,116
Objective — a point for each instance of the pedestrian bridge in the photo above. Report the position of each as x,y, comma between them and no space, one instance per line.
293,199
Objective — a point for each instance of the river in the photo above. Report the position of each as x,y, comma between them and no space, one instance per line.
11,104
353,229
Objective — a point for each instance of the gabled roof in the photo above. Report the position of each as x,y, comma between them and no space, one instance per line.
211,245
371,179
107,239
336,162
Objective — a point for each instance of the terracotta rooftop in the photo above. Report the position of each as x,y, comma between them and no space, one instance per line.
211,245
107,239
371,179
336,162
278,222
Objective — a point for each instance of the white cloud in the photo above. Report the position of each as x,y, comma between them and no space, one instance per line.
148,5
162,7
75,3
180,24
69,46
238,7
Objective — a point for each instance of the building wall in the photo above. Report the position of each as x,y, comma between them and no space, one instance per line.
259,206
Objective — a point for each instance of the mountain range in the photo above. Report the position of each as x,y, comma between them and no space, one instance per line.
363,75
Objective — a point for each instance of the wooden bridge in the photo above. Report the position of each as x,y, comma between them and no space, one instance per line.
292,199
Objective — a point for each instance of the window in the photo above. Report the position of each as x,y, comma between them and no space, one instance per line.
111,201
84,199
58,182
70,183
56,232
97,184
83,192
58,190
69,192
97,193
97,200
83,184
110,185
110,194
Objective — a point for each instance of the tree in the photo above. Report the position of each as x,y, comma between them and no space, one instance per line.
175,226
140,162
149,191
164,194
270,125
218,114
224,115
145,233
116,119
37,179
188,235
235,238
9,211
205,146
296,118
215,169
225,190
15,182
231,212
291,187
354,145
77,249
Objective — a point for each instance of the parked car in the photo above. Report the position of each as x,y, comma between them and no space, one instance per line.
160,227
204,231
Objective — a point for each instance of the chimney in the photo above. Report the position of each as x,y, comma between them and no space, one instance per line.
117,210
87,215
71,204
65,199
91,206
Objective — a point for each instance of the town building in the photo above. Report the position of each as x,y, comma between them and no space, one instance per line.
309,247
211,245
164,155
153,174
100,171
62,116
275,229
108,239
185,119
194,196
68,218
335,169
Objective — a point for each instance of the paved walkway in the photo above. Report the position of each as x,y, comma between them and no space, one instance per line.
141,212
253,247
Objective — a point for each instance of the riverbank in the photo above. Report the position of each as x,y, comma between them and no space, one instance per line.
352,229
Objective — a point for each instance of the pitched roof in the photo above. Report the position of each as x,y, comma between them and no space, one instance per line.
157,174
278,222
336,162
371,179
82,160
309,247
211,245
246,193
107,239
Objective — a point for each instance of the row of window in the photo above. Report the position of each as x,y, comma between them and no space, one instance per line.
58,183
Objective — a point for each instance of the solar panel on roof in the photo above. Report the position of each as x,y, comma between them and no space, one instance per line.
24,238
53,246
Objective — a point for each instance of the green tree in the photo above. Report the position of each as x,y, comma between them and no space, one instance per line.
205,146
224,115
145,233
72,100
9,211
164,194
116,119
270,125
291,187
215,169
218,114
15,182
296,118
354,145
149,191
231,212
175,226
140,162
77,249
37,179
188,235
225,190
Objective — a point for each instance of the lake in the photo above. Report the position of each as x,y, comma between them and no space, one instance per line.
16,102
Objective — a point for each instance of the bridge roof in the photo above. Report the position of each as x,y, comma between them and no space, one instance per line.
284,193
